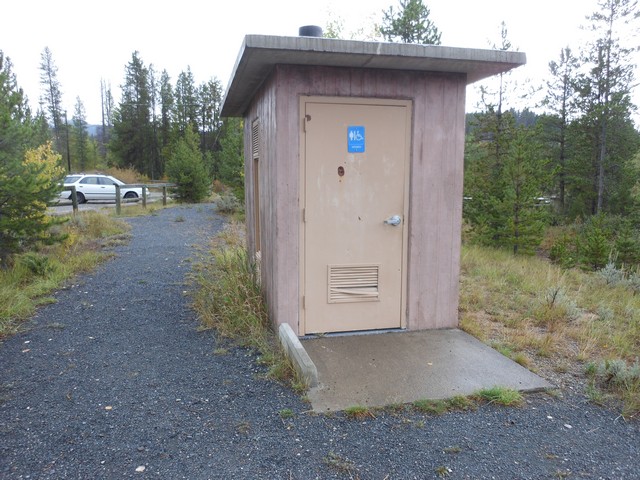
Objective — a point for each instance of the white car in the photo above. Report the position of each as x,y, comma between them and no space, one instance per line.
97,187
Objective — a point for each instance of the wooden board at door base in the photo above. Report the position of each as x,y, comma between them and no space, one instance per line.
354,183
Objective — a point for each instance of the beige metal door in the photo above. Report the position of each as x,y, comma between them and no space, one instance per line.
356,161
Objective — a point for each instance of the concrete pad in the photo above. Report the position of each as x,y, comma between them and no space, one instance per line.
401,367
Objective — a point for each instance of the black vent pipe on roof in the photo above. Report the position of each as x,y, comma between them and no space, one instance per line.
310,31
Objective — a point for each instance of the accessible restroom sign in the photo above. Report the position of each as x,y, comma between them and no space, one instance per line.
355,139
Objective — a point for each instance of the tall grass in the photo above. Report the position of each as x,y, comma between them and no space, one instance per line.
528,306
35,274
228,298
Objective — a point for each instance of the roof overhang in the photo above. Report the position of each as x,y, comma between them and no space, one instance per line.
259,54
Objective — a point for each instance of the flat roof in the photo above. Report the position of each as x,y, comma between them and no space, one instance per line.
259,54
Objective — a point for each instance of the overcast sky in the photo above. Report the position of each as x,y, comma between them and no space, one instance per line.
91,41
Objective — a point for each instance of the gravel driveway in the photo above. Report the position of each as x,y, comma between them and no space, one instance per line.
115,381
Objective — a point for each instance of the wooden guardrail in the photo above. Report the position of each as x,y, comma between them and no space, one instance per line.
145,187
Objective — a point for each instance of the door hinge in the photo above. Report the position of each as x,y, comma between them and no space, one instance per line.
304,215
303,302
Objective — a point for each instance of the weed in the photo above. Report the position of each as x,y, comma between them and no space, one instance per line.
394,408
228,204
435,407
179,219
460,402
36,263
358,412
243,427
339,463
611,275
443,471
562,473
286,413
452,450
507,397
605,314
221,351
56,326
594,394
591,369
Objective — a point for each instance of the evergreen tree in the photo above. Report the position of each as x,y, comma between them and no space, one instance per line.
186,102
210,99
410,23
186,169
157,167
604,103
107,104
229,160
166,110
29,175
80,136
132,141
52,98
505,175
560,102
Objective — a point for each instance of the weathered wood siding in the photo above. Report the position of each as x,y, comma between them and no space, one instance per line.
435,184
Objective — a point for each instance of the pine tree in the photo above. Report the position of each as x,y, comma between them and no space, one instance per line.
230,159
410,23
80,136
132,141
166,110
186,102
29,174
107,105
210,99
52,97
604,101
505,175
186,169
560,100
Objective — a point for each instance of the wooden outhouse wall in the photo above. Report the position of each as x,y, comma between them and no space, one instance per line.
436,178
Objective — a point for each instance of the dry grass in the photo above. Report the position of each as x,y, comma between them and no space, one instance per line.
551,320
36,274
228,299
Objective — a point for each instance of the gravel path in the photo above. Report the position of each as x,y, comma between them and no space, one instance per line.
114,381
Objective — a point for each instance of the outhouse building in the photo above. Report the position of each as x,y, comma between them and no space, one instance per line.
354,177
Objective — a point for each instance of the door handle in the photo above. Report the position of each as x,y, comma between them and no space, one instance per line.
394,220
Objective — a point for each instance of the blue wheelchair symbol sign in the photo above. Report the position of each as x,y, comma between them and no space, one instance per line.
355,139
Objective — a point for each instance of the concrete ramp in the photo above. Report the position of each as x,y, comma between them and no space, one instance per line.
401,367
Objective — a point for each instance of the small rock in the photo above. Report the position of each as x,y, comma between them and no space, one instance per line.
141,469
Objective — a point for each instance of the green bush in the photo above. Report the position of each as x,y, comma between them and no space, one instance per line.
27,183
597,242
187,170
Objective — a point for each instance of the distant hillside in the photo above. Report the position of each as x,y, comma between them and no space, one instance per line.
93,130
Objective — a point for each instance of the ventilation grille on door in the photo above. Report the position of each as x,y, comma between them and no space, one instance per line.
353,283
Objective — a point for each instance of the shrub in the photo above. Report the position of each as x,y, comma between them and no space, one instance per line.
26,187
228,203
187,170
563,252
